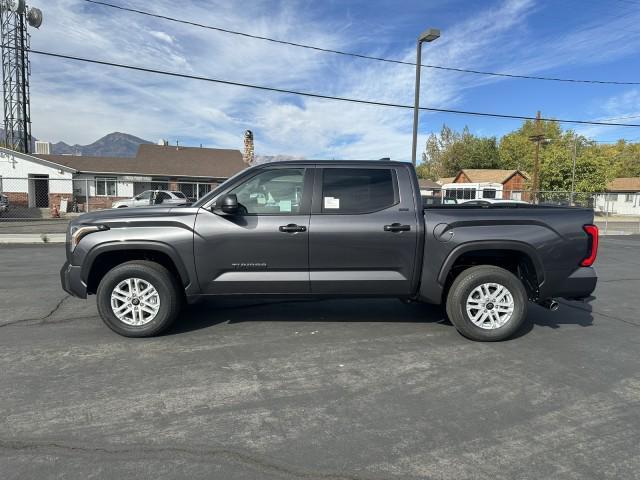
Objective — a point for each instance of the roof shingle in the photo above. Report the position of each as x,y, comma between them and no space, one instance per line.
626,184
160,160
489,175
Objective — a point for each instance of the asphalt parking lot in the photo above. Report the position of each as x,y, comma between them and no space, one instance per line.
367,389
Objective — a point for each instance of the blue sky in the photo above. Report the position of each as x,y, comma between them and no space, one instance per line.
78,103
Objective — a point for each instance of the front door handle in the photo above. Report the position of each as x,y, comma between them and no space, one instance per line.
292,228
397,227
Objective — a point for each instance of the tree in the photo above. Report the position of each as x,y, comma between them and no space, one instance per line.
449,152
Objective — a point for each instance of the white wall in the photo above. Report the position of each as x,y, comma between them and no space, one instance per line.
123,188
15,170
617,204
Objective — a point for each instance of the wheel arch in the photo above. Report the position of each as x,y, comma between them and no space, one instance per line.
519,258
103,257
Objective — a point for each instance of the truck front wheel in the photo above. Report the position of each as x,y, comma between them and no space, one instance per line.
487,303
138,299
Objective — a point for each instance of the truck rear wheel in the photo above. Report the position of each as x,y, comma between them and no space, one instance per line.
138,299
487,303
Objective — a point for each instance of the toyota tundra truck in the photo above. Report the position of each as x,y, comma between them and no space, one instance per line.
331,229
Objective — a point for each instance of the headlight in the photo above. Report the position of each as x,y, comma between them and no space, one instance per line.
78,232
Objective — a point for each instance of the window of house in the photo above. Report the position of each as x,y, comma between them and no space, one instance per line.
188,189
106,186
627,198
277,191
357,190
489,193
159,184
203,189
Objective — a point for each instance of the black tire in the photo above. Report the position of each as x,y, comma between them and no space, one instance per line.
122,206
155,274
464,285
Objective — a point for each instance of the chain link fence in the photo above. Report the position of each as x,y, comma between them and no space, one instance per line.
37,204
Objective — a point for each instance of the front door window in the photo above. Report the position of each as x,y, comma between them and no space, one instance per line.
273,192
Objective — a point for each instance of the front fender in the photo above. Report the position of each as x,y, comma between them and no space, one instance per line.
149,245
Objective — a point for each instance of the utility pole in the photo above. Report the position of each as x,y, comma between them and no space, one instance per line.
537,138
573,171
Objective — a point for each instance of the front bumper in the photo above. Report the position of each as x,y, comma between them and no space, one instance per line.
71,281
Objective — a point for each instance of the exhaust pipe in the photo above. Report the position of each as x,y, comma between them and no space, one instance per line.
551,304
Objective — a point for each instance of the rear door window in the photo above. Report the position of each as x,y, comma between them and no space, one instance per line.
358,190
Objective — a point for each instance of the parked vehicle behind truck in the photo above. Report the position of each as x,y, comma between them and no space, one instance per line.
331,229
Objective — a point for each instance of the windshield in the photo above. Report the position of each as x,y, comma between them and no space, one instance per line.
215,191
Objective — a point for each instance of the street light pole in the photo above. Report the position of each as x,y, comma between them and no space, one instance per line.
427,36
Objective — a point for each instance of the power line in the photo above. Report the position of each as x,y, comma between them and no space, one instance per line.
319,95
357,55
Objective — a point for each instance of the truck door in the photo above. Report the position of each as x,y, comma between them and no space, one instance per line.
264,249
363,231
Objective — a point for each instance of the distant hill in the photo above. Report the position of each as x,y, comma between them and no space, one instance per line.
115,144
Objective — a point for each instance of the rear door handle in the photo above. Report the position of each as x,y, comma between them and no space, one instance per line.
397,227
292,228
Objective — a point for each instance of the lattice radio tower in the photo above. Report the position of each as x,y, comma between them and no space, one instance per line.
14,18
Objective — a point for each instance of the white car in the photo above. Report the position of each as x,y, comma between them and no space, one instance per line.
153,197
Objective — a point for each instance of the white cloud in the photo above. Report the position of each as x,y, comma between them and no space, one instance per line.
78,102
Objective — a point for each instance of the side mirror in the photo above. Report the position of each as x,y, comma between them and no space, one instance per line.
229,204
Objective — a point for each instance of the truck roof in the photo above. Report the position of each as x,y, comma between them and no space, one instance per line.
359,163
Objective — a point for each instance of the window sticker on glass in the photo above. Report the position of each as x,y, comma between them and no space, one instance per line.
331,202
285,205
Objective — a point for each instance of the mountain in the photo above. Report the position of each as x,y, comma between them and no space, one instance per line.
115,144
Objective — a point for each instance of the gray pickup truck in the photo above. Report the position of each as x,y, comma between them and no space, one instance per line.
328,229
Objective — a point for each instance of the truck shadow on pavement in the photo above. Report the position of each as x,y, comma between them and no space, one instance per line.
208,313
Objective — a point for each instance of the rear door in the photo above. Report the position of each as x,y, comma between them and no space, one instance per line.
363,231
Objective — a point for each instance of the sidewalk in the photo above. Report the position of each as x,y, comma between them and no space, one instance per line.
31,238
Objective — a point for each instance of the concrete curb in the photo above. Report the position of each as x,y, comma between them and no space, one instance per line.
31,238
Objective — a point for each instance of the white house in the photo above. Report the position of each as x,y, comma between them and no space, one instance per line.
42,180
621,198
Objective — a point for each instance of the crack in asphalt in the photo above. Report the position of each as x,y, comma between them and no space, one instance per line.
228,454
39,319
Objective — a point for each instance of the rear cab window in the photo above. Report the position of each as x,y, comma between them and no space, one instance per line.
358,190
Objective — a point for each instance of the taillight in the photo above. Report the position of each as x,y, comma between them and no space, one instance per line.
592,252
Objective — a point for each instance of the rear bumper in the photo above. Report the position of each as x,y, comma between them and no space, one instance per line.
71,281
580,284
